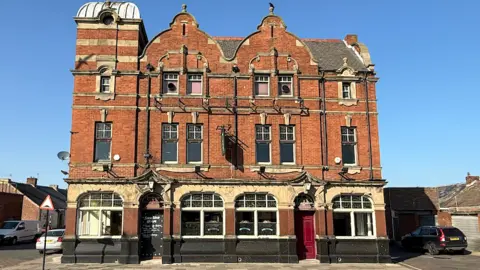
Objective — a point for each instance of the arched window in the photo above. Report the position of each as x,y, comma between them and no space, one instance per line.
256,215
353,216
202,214
100,214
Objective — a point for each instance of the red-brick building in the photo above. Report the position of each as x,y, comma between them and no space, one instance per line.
194,148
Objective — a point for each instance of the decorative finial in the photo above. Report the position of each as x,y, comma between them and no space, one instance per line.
468,173
184,8
272,7
108,3
345,61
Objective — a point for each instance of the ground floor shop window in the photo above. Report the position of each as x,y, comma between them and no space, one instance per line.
256,215
202,215
353,216
100,214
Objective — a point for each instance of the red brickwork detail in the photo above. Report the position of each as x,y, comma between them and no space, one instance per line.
30,210
10,206
444,219
381,225
130,225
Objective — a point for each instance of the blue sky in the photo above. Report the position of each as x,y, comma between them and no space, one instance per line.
426,55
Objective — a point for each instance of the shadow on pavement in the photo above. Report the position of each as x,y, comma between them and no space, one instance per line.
399,254
19,246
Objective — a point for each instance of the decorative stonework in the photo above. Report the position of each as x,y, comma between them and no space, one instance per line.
170,116
287,116
348,120
195,117
103,115
263,118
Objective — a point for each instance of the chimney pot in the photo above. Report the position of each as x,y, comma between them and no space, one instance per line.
32,181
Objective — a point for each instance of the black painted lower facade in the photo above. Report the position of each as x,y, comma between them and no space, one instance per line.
178,250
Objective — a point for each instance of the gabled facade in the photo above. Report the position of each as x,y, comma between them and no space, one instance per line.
196,148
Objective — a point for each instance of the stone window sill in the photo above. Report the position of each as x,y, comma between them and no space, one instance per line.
277,169
348,102
105,96
101,166
189,168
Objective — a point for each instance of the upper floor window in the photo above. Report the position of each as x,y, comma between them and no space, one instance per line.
105,84
100,214
262,143
170,83
169,143
103,141
349,146
346,90
287,144
194,143
202,214
285,86
194,84
353,216
262,85
256,214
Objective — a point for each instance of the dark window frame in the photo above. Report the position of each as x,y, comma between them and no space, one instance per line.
169,139
103,138
349,139
288,137
263,140
194,139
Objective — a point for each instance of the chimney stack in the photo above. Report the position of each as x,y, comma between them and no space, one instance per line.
32,181
351,39
470,178
54,187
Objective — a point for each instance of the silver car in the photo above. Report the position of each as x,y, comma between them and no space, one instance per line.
54,240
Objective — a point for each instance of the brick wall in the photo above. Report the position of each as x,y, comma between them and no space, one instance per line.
30,210
10,206
444,219
127,111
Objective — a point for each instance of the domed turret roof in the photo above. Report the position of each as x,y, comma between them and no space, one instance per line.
125,10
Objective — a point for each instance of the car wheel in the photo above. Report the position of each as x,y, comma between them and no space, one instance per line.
460,252
432,249
13,241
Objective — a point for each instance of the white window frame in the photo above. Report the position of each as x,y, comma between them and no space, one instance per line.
352,212
202,211
195,78
99,209
283,80
102,84
259,79
178,132
255,211
201,145
166,79
286,140
355,147
269,144
349,84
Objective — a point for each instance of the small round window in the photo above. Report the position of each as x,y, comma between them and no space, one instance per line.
108,19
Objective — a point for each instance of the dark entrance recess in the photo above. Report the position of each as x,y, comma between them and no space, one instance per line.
151,226
305,227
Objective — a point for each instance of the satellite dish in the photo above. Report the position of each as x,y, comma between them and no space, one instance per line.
285,89
172,87
63,155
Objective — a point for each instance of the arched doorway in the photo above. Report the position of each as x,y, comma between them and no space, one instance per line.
305,227
151,226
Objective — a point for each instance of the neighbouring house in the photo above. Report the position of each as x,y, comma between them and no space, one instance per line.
408,208
196,148
460,207
22,201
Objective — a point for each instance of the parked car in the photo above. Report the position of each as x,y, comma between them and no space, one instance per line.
14,231
54,241
435,239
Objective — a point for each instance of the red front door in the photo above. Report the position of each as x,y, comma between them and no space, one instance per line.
305,232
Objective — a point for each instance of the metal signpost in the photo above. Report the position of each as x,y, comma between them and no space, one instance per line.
46,205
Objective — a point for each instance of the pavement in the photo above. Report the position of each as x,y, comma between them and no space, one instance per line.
13,255
53,262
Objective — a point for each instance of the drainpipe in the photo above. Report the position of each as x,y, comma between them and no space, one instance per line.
324,110
368,125
235,112
147,126
322,101
326,223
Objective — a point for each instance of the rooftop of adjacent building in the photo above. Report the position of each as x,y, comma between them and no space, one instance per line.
37,193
